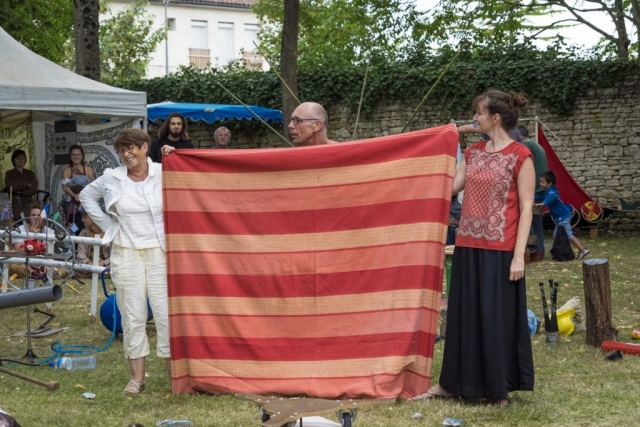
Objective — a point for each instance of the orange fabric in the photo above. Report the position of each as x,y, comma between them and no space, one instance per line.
314,270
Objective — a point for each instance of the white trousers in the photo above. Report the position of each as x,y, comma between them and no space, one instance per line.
138,274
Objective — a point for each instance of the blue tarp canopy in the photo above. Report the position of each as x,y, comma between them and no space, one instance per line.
211,113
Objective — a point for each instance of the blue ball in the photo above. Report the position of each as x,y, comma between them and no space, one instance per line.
106,314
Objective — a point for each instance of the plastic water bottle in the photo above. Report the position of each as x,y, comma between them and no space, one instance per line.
74,363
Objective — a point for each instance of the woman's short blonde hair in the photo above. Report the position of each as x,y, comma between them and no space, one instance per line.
128,137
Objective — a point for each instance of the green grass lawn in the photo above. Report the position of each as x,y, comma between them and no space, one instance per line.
575,385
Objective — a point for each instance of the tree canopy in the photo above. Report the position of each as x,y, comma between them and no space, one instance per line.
338,32
341,32
127,38
503,21
43,26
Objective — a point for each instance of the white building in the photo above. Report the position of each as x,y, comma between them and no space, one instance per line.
202,33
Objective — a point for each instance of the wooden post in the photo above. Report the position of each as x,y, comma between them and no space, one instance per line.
597,298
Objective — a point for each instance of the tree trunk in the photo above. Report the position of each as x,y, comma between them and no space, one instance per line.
289,60
85,24
597,299
635,8
622,41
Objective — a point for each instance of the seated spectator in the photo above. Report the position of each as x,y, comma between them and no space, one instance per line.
24,184
84,253
32,225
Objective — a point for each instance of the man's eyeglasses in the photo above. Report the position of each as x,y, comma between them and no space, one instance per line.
296,120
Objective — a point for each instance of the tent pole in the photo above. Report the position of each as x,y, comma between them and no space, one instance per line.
144,124
536,129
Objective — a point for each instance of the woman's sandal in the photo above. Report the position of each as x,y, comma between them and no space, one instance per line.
435,393
134,387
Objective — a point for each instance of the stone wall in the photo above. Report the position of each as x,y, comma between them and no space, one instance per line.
599,143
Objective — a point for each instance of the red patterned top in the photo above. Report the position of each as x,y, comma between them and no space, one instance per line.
490,211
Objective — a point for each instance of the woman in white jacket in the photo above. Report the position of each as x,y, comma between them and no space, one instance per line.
133,222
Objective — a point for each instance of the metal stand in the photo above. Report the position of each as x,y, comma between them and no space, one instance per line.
29,281
29,354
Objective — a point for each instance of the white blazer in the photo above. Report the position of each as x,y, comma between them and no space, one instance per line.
109,187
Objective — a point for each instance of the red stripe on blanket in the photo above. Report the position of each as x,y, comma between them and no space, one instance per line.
303,221
305,285
295,349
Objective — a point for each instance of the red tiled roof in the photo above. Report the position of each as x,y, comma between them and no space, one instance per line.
236,3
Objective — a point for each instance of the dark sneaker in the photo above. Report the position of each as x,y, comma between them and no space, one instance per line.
583,253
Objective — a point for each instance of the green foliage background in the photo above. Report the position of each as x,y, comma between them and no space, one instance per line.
552,79
42,26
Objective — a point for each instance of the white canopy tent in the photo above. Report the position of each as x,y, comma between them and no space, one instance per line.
36,88
32,83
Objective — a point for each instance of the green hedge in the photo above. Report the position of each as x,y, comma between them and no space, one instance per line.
556,83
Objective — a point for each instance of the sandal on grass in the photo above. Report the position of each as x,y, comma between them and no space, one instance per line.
435,393
134,387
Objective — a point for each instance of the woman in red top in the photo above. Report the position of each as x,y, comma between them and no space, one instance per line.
488,351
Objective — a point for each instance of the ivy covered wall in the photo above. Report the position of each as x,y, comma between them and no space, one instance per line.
592,107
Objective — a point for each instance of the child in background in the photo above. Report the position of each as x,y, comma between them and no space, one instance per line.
560,212
84,254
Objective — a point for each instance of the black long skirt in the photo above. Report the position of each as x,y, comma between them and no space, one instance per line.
487,351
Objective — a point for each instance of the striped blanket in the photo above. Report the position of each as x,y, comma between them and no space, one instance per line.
313,271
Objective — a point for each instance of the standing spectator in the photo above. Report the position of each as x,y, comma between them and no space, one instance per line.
173,133
24,183
222,138
134,222
540,166
488,352
75,177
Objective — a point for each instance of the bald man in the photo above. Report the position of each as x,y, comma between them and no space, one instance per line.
308,125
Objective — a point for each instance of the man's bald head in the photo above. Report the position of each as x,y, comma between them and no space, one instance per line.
308,124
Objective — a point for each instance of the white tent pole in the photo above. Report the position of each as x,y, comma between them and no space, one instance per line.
536,129
94,280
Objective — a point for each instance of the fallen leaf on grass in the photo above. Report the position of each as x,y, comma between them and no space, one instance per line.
167,396
580,350
80,386
565,270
